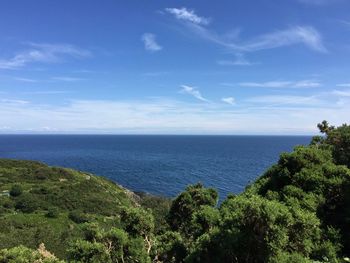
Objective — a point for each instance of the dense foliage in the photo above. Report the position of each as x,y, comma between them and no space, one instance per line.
298,211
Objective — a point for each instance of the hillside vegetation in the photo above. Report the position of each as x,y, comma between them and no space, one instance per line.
298,211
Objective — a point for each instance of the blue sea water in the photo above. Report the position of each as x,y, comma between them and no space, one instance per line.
161,165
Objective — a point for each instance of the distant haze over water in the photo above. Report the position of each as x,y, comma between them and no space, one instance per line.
157,164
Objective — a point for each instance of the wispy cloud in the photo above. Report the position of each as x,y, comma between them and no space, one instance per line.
240,60
67,79
188,15
46,92
305,35
342,93
229,100
193,92
307,84
155,73
43,53
282,84
150,42
26,80
12,101
277,100
343,85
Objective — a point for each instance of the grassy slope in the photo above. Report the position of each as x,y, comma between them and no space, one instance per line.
51,188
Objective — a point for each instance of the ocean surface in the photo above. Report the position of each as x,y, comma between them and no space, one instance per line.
161,165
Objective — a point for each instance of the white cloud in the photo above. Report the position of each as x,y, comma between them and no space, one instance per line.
46,92
188,15
342,93
269,84
155,73
26,80
43,53
239,61
305,35
150,42
12,101
307,84
229,100
278,100
67,79
282,84
193,91
162,116
343,85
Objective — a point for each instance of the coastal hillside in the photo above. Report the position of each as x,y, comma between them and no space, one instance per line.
297,211
42,204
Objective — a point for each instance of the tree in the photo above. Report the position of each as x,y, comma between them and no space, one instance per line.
137,221
89,252
113,245
324,127
204,220
255,230
116,241
92,232
339,139
188,202
170,248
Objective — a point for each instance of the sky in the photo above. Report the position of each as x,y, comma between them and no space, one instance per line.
174,67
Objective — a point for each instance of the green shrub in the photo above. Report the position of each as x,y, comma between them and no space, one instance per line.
16,190
78,217
27,203
88,252
53,212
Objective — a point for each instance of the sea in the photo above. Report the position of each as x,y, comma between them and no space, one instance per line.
158,164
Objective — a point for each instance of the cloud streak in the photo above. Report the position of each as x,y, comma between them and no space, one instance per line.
342,93
347,85
193,92
188,15
150,43
67,79
305,35
229,100
282,84
240,60
277,100
43,53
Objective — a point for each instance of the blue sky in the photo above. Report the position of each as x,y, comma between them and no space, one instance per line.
174,67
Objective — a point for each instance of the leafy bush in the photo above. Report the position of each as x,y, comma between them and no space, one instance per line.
16,190
78,217
53,212
27,203
22,254
188,202
89,252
